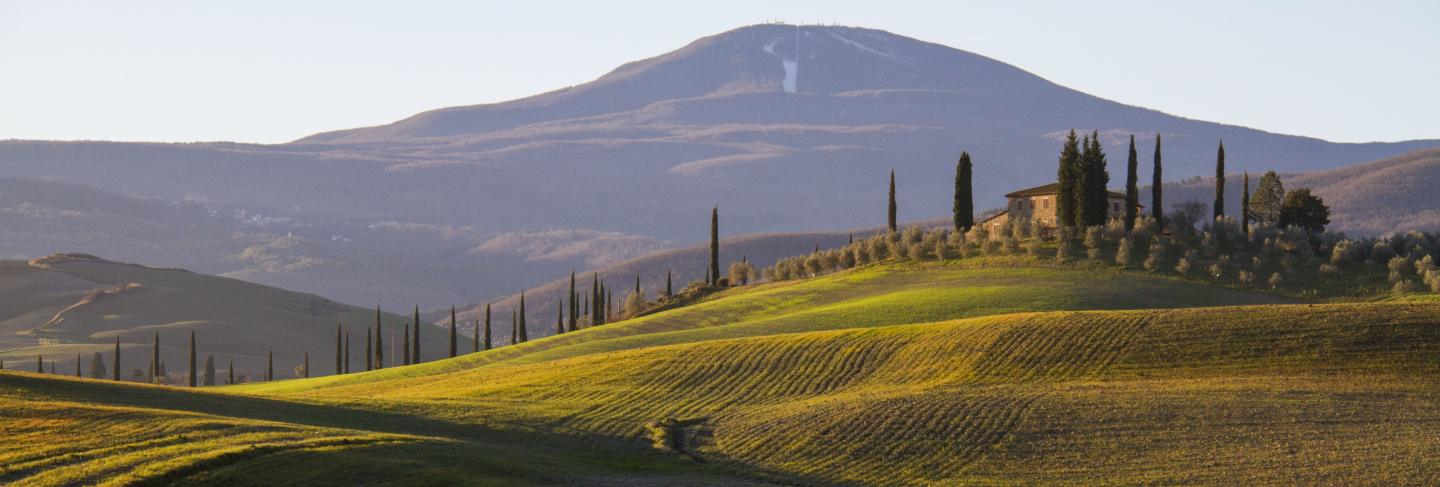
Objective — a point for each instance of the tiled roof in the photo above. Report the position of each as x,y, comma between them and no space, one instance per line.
1049,189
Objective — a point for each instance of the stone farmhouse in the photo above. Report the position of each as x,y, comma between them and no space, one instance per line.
1037,206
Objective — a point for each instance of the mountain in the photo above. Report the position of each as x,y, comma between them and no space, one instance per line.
1394,194
786,128
67,304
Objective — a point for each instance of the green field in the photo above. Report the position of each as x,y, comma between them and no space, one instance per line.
897,374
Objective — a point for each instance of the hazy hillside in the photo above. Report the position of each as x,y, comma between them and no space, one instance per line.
1395,194
64,305
786,128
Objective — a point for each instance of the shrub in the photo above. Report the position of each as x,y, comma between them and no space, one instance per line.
1033,247
1124,255
1010,245
1156,259
1275,280
1432,278
1329,270
1094,238
991,247
858,254
634,304
1209,244
813,265
1064,250
1246,278
1183,267
1424,265
1404,286
740,272
940,250
1345,251
1216,272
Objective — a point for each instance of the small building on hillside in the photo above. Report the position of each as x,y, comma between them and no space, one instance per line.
1037,205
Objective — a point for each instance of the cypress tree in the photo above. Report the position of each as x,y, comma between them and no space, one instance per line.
599,304
637,283
39,364
1132,192
415,342
1219,182
1157,186
1245,205
117,360
77,366
346,369
155,359
514,328
574,307
609,304
379,342
339,350
1066,213
97,367
270,366
231,378
594,299
209,371
369,351
1094,179
669,289
524,336
305,367
487,327
193,370
891,208
964,197
453,336
714,246
560,317
405,346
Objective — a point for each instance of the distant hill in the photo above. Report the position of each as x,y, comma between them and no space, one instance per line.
68,304
1394,194
786,128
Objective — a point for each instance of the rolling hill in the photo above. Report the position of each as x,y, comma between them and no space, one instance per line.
892,374
66,305
1390,195
784,127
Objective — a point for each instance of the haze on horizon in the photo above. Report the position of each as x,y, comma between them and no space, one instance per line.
272,72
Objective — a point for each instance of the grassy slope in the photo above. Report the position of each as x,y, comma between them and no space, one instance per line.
821,381
877,295
52,310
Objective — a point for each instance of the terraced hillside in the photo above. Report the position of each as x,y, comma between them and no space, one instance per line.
862,377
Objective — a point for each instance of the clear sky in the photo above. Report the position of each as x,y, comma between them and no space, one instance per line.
272,71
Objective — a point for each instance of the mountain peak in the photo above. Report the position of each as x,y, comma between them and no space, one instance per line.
763,58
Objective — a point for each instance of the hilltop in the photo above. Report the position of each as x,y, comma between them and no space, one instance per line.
66,305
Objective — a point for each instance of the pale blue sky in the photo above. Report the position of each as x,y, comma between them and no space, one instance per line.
272,71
